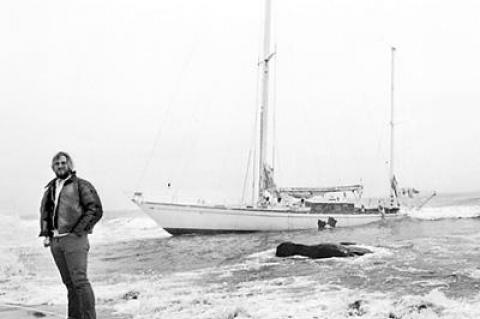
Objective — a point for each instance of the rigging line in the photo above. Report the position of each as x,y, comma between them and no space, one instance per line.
274,87
246,177
190,144
253,145
171,102
274,110
254,170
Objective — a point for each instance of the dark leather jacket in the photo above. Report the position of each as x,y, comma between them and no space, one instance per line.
78,209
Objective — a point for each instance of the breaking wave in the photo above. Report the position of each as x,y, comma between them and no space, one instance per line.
443,212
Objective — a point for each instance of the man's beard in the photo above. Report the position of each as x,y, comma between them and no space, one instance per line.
63,175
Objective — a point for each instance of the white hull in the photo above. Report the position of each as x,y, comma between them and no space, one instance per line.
189,219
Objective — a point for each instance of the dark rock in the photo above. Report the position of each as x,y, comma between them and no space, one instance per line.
332,222
326,250
133,294
355,305
321,224
415,310
421,307
355,308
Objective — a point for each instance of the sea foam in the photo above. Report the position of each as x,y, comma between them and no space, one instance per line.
434,213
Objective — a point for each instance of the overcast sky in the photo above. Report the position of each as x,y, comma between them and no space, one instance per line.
142,93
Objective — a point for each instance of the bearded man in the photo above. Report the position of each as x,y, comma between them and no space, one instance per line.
70,208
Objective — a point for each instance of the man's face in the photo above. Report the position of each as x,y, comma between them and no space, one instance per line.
60,167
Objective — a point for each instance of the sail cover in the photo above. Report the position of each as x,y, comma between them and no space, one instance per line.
394,185
307,192
269,183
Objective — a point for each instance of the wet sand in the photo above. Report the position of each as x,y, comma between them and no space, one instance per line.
8,311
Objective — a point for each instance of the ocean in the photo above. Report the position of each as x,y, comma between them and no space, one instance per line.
426,265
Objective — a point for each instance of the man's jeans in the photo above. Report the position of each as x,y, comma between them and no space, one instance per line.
70,254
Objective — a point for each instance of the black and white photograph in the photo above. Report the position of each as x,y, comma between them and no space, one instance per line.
257,159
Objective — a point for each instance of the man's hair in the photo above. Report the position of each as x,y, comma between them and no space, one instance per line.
67,156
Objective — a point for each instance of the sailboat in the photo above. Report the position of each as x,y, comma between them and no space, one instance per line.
270,209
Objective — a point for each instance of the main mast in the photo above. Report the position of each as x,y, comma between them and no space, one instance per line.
266,56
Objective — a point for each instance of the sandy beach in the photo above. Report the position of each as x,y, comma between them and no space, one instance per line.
8,311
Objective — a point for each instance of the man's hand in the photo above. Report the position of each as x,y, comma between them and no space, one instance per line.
46,242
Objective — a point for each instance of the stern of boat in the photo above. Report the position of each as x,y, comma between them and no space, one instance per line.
137,198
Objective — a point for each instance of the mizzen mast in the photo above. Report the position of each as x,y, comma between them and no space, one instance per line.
393,180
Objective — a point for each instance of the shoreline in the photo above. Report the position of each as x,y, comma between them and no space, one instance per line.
16,311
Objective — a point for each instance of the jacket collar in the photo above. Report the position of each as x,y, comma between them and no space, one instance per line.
72,178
